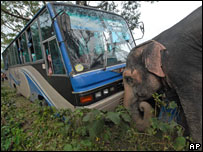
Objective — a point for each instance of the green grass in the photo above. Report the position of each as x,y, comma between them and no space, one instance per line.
28,126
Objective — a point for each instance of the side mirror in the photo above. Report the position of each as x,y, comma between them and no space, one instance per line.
140,30
64,20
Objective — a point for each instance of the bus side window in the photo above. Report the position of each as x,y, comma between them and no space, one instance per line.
30,45
36,41
24,48
5,59
45,26
6,63
21,51
9,57
18,52
12,55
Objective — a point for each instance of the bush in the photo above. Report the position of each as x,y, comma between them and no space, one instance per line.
28,126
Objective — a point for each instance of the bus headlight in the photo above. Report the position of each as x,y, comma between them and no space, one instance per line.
112,89
106,91
98,94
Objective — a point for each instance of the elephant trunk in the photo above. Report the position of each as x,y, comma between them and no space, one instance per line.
142,121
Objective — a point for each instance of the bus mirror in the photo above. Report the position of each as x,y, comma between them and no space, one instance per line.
65,21
140,31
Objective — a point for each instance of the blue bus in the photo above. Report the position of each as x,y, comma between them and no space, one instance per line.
70,56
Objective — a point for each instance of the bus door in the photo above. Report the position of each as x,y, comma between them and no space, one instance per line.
53,58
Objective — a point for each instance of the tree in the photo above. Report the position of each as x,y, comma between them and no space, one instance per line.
16,14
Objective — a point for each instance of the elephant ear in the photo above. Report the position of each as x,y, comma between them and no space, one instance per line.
152,58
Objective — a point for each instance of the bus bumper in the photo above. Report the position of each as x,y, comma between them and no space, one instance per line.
108,103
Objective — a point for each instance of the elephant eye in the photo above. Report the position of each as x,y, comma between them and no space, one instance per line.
129,80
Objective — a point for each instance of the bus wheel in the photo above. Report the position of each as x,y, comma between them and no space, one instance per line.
16,90
14,86
42,101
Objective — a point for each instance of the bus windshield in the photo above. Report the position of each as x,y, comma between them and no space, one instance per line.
95,39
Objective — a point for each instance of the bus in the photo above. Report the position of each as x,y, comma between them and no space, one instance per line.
70,56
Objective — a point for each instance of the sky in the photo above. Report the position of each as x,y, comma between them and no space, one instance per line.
159,16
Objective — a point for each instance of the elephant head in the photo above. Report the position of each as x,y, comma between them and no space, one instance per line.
141,79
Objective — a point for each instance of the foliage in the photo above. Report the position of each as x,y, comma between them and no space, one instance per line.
28,126
14,16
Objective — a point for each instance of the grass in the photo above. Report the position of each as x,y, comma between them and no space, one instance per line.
28,126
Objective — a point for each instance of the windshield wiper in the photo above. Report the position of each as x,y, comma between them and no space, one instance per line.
96,60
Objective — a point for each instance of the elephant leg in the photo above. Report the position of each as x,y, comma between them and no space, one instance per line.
193,115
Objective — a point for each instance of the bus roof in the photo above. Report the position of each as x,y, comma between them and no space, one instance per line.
89,7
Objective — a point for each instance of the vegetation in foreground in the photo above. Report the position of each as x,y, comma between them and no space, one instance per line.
28,126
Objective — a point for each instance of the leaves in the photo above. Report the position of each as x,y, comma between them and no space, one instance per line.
126,117
7,144
68,147
114,117
86,143
172,105
95,128
91,115
87,117
179,143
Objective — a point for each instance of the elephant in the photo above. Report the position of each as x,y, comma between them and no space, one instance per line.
170,62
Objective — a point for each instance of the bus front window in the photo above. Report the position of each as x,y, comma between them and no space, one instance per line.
96,39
